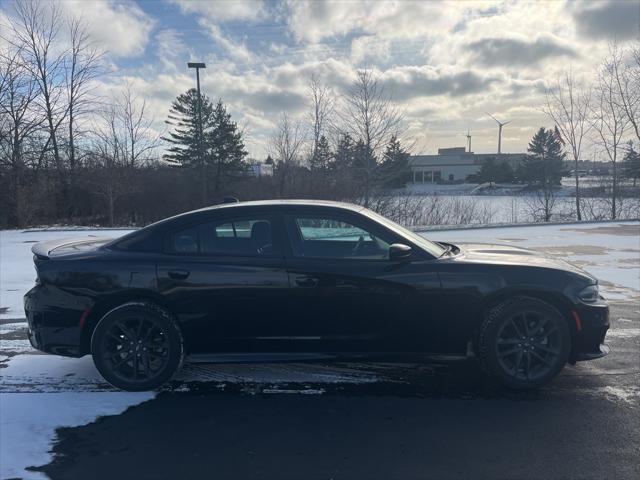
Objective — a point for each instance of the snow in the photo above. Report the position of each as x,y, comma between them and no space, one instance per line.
610,251
17,273
28,422
40,393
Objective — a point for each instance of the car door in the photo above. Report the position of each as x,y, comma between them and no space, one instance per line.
350,296
225,280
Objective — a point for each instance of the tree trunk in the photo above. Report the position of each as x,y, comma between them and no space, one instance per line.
614,191
111,209
578,212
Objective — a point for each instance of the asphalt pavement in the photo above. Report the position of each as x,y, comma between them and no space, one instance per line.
436,421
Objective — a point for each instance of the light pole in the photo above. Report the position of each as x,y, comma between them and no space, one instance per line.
205,192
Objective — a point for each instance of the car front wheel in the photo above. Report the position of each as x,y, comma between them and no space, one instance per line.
524,342
137,346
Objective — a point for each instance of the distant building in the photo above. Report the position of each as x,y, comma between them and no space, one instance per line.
261,170
454,164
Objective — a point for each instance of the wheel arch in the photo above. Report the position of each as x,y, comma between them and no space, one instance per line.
105,304
555,299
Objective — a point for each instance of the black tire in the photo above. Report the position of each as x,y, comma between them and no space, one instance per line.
524,342
137,346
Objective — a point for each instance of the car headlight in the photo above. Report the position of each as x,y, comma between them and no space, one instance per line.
590,294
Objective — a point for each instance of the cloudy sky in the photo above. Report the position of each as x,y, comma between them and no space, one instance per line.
445,63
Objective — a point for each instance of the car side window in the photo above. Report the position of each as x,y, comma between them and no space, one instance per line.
332,237
239,237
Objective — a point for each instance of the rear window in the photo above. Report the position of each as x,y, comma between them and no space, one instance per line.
241,237
139,241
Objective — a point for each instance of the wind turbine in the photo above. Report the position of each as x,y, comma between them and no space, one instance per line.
500,125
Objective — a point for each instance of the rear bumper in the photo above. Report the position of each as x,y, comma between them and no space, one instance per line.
53,318
592,324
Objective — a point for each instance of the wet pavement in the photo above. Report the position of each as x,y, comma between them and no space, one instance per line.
358,420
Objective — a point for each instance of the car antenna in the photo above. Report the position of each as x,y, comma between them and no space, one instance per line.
230,199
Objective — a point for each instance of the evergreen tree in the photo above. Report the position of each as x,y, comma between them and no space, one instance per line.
544,162
322,158
542,168
631,164
395,171
269,160
183,117
492,172
223,150
225,146
344,156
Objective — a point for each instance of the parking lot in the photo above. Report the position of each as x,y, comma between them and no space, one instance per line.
345,420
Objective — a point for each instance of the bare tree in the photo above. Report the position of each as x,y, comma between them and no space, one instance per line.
569,109
35,33
108,157
370,116
627,84
323,107
141,139
286,147
18,122
609,118
81,66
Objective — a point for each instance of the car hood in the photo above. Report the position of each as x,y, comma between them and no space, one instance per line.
517,256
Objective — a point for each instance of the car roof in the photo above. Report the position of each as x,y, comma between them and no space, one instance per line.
281,203
266,205
259,204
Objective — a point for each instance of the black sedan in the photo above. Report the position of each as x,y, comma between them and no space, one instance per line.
302,280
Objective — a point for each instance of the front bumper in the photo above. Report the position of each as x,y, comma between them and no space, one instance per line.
53,320
592,324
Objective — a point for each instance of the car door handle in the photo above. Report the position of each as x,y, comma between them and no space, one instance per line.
307,282
179,274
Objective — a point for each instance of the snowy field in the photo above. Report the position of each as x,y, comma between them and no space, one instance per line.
34,385
608,252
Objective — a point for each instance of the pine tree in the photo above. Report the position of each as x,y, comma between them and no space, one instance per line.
183,117
394,170
344,156
225,147
542,168
544,163
492,172
631,164
322,158
223,150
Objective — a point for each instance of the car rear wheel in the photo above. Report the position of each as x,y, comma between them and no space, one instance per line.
137,346
524,342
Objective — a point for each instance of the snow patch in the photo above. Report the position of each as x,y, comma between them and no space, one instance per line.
28,422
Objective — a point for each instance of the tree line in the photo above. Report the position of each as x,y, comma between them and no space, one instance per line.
68,155
607,112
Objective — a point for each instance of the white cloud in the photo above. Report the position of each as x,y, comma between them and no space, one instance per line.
314,20
445,64
122,29
222,11
236,50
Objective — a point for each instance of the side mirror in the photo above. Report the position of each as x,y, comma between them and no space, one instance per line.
399,251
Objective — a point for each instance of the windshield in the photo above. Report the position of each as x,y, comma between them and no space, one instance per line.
433,248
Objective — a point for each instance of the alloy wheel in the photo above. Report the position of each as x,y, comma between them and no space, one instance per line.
136,349
528,345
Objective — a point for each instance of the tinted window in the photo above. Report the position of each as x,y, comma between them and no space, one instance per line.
246,236
327,237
